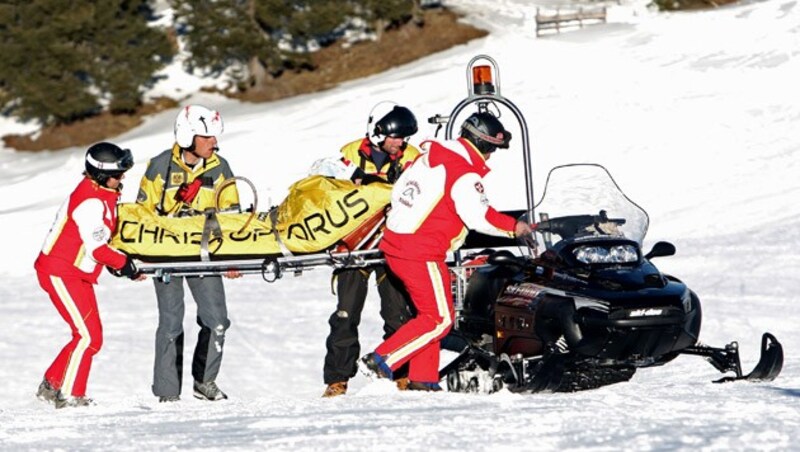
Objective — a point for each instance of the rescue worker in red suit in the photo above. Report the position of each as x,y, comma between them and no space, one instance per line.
73,255
380,156
433,204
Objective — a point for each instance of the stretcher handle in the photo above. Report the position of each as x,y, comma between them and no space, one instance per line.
225,184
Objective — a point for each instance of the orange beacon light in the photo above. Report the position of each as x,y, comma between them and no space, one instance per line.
482,80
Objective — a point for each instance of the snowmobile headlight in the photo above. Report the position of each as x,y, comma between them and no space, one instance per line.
617,254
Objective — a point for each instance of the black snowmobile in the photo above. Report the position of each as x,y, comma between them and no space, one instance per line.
584,306
587,307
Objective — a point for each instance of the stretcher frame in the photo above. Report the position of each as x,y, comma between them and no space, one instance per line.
270,268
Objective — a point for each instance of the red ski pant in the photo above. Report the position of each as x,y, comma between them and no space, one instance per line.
75,300
417,341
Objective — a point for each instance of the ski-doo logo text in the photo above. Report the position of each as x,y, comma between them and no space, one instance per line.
645,312
350,206
409,193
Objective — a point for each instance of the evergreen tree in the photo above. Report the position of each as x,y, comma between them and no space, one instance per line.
43,69
63,60
248,39
126,51
299,22
385,14
223,37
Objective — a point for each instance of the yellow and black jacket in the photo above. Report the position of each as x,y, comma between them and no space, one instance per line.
360,153
166,172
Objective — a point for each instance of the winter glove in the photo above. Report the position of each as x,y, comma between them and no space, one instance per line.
524,234
333,167
187,192
371,178
128,270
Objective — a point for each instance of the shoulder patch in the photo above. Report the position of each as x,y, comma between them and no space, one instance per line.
100,234
176,178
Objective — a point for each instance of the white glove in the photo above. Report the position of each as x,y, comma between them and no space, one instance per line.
332,167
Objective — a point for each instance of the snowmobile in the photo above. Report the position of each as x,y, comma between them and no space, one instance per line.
587,307
579,305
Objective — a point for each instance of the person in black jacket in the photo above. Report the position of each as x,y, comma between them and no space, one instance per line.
380,156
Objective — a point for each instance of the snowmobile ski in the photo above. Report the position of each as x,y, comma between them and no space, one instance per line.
727,359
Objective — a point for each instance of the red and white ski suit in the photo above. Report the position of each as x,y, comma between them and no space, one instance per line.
73,255
433,204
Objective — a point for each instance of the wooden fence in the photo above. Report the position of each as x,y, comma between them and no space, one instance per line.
546,21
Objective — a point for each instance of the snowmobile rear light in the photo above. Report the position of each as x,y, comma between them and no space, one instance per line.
482,80
617,254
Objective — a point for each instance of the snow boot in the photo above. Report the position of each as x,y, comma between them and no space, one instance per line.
335,389
374,366
169,398
208,391
402,383
72,402
46,393
420,386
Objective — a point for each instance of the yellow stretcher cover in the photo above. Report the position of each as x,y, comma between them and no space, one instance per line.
318,213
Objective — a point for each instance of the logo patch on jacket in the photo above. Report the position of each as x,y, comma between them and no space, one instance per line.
409,193
176,178
100,235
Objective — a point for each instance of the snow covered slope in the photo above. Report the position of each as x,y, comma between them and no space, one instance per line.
697,115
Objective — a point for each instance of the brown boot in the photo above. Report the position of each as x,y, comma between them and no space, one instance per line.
402,383
335,389
419,386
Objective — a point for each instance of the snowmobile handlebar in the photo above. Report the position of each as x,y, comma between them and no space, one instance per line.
577,225
438,119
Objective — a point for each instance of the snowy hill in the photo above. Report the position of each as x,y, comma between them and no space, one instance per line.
695,114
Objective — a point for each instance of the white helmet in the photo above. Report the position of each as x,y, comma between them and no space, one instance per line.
196,120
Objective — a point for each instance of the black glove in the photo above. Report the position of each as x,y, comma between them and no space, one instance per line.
527,240
128,270
523,232
365,178
371,178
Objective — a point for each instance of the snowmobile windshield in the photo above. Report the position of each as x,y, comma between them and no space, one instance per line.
583,201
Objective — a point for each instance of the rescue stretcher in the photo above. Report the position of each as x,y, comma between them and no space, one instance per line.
322,222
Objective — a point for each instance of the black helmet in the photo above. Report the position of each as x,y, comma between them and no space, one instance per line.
486,132
398,123
104,160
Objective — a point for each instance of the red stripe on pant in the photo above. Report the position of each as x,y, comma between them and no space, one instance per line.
417,341
75,300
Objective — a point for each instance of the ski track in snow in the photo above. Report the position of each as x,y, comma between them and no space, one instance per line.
695,114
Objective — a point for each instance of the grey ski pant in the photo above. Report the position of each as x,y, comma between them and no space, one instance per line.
212,317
